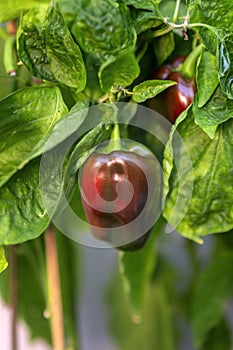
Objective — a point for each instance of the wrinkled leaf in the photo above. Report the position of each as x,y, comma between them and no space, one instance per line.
3,262
225,59
103,29
216,111
150,88
207,77
13,8
23,216
205,202
212,290
120,73
31,44
26,118
46,47
65,58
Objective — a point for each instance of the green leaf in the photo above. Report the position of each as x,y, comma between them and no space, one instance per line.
144,20
219,337
23,216
31,45
156,329
207,77
225,59
13,8
46,47
149,5
216,111
103,29
136,271
149,89
64,56
26,118
31,271
119,73
207,179
216,13
212,290
163,47
3,262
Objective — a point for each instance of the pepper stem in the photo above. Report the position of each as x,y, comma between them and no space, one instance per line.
188,68
115,140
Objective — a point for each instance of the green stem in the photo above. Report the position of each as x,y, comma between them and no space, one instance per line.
115,141
176,11
190,63
8,58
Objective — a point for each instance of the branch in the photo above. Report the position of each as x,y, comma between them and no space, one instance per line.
54,291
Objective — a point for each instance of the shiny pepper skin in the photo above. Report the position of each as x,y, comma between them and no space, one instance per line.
175,99
115,188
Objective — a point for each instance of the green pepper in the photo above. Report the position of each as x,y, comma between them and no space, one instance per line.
118,188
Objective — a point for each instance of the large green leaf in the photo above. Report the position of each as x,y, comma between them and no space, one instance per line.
163,47
23,216
46,47
136,270
120,72
103,29
3,262
26,118
216,111
156,329
209,210
212,290
149,5
207,77
150,88
144,20
13,8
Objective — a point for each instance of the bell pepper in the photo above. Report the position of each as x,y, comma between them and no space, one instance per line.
175,99
116,188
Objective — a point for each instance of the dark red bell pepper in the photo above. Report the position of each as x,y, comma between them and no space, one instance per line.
118,187
175,99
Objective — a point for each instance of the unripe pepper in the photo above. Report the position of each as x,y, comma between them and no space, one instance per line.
121,195
175,99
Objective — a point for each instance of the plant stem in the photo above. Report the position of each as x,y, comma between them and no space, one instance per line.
190,63
54,291
13,297
176,11
115,141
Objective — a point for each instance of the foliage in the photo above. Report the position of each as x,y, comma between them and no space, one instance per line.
69,55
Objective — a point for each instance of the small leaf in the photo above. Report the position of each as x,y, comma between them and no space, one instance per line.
207,77
119,73
217,110
149,89
26,118
213,288
3,262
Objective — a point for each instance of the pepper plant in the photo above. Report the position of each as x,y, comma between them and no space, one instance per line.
61,59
